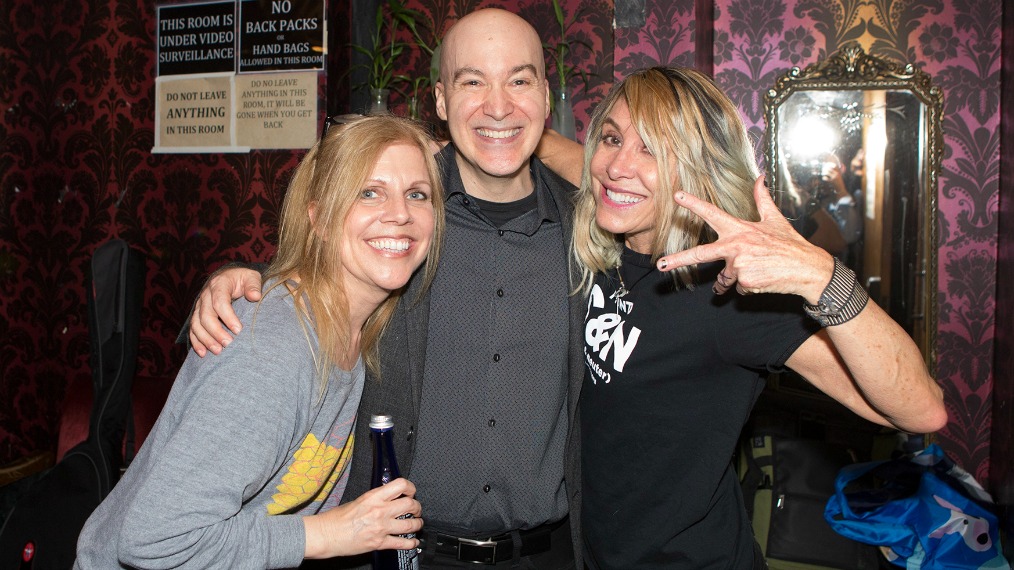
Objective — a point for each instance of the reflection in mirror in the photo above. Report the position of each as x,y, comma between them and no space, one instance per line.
853,151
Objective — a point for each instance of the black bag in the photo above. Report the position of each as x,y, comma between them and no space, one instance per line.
786,483
51,510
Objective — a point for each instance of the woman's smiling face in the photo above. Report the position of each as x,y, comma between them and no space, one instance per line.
387,232
625,179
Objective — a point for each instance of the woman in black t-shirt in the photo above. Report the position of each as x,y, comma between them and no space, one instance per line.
675,356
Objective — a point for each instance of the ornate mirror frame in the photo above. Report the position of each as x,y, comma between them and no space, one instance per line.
851,69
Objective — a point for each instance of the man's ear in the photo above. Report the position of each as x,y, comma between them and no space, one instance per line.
438,95
549,101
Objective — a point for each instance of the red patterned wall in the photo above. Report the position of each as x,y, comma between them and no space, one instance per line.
76,169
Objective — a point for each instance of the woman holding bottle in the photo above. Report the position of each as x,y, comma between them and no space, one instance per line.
247,462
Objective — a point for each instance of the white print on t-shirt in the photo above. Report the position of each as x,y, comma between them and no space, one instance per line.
623,306
605,333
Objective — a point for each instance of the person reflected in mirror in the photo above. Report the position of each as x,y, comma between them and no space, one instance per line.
853,201
857,170
811,220
697,286
841,200
249,458
818,194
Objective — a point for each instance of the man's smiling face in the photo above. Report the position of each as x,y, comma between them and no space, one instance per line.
493,93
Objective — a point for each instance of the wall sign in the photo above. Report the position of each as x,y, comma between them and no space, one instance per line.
196,38
276,110
194,114
212,93
281,34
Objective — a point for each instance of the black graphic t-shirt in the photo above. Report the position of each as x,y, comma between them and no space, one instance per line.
672,377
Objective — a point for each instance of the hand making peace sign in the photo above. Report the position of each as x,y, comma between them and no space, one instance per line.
768,256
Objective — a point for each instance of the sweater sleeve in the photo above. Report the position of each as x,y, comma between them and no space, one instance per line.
230,429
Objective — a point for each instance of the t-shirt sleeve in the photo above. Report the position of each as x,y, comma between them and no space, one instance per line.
232,426
762,331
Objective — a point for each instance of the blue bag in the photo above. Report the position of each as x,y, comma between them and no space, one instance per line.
924,512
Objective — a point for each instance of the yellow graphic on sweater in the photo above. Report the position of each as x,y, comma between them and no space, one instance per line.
312,474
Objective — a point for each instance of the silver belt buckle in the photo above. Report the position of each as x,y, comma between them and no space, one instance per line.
482,545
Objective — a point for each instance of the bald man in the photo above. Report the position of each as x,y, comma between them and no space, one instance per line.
482,372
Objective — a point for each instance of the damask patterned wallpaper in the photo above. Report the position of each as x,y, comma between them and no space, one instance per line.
76,120
76,169
958,43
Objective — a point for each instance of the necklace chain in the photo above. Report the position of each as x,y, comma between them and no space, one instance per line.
622,291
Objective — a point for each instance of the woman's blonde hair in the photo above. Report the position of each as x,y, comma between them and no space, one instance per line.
331,178
695,133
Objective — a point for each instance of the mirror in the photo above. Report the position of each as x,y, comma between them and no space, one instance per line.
854,145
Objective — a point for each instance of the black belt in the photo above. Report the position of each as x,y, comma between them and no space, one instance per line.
494,549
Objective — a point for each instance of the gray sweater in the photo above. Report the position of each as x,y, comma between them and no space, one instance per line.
243,435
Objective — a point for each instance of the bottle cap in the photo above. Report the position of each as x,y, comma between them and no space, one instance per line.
378,421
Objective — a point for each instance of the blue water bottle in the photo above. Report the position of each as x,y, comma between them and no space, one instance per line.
385,470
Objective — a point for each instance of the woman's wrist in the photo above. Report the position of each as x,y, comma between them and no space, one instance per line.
315,533
813,281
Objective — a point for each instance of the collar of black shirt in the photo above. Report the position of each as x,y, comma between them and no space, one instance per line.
502,212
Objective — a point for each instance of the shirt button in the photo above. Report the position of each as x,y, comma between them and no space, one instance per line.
465,201
410,433
486,489
500,232
492,422
496,358
499,292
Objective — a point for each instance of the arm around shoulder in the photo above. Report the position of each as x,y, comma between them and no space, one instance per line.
562,155
213,323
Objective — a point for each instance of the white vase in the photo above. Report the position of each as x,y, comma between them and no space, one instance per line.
563,114
413,107
378,101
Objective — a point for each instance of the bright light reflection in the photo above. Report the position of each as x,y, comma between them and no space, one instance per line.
812,137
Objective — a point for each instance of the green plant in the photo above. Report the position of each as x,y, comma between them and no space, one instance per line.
561,49
418,84
409,18
415,21
385,48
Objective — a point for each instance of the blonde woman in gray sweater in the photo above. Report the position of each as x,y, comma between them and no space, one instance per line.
248,460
